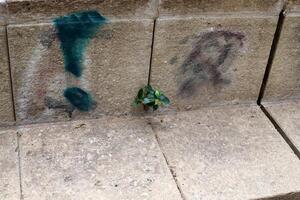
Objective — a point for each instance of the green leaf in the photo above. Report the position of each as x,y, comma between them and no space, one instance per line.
164,100
136,102
140,94
150,97
148,100
157,93
148,88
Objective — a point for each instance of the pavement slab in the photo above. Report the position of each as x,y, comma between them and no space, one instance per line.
227,153
9,172
287,115
103,159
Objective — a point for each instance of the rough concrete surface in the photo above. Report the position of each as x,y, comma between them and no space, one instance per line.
106,159
227,153
211,59
39,10
115,65
3,12
196,7
292,5
284,82
6,107
9,171
287,115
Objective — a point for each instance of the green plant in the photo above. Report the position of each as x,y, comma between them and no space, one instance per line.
150,97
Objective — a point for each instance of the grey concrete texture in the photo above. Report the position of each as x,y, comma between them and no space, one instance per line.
284,82
9,169
40,10
287,115
227,153
105,159
198,7
116,64
211,60
3,13
6,105
292,5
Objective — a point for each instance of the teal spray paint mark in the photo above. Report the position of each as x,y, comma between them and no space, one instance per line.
79,98
75,32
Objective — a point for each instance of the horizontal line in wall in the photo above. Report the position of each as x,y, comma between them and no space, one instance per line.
49,22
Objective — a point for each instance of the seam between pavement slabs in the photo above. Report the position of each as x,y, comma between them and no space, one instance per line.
167,162
19,165
281,132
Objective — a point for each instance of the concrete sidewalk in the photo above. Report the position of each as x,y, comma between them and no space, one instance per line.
286,115
214,153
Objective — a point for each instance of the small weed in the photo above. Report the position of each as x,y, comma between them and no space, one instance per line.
150,97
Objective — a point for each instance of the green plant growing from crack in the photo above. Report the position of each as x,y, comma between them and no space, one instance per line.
150,97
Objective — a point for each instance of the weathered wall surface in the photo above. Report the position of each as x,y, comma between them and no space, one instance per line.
210,59
223,7
45,10
74,59
6,108
284,80
115,65
79,64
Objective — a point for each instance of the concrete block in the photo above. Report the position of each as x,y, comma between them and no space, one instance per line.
196,7
40,10
284,81
227,153
6,105
94,160
110,70
211,60
287,115
9,171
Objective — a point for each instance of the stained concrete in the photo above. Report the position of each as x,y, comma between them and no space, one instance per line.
287,115
105,159
211,60
21,11
227,153
6,105
9,170
115,66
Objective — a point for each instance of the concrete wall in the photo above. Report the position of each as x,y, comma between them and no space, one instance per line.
284,80
110,45
211,53
6,106
204,53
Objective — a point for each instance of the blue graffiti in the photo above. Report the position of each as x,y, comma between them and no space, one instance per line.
75,32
